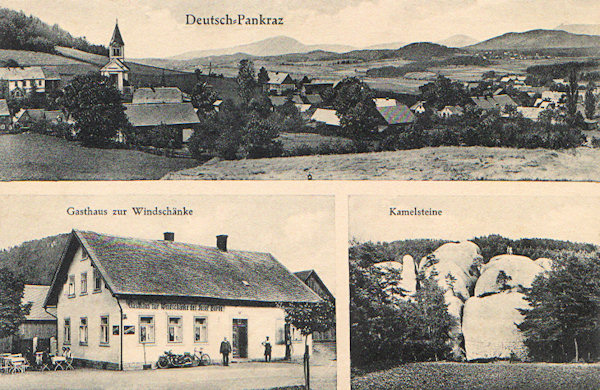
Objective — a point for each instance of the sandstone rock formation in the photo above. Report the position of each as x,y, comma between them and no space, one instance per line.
519,270
545,263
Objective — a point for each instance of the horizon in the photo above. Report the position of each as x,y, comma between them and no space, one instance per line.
152,29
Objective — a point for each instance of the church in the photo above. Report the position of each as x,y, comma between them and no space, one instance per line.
116,69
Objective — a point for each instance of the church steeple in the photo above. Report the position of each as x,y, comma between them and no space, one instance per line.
117,45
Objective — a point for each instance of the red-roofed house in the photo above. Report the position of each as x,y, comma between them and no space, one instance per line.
121,302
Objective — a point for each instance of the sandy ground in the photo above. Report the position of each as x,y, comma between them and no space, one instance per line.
441,163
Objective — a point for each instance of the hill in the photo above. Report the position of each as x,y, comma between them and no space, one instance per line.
538,39
588,29
21,32
267,47
35,260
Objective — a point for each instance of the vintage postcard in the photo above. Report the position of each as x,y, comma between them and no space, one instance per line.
474,292
345,89
203,292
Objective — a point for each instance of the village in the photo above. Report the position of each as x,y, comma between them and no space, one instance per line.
194,117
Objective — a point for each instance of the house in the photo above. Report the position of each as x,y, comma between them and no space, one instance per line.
554,96
5,117
280,82
21,81
39,324
217,105
25,117
385,102
278,101
532,113
395,117
495,102
157,95
312,280
418,107
181,116
121,302
326,116
451,111
115,68
315,87
312,99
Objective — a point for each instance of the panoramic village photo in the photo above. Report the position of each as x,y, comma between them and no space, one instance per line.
474,292
349,89
167,292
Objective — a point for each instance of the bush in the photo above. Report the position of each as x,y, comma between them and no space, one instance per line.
596,142
259,139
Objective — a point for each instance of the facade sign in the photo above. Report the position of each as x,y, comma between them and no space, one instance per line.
138,304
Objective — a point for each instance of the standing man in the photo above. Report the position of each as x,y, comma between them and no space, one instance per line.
267,345
225,351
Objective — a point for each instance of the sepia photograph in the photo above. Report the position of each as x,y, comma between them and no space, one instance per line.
474,292
297,90
162,292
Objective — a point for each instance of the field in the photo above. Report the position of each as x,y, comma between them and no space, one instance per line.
294,140
32,58
38,157
441,163
488,376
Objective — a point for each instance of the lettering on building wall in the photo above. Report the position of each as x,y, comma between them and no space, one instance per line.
133,304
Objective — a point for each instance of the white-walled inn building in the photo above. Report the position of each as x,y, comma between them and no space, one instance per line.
122,302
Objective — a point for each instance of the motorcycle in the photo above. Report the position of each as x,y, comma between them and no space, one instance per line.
170,359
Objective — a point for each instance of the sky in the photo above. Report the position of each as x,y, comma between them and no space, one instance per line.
562,218
157,28
299,231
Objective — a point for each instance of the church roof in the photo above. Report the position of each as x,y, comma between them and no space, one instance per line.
116,37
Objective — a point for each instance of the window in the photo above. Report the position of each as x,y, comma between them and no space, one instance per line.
174,333
71,286
67,332
83,283
83,331
97,281
200,331
146,329
84,255
104,330
116,51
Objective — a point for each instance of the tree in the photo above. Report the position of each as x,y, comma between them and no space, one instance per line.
246,80
12,311
502,280
263,78
203,97
259,139
563,323
572,94
96,107
443,92
309,318
354,106
590,102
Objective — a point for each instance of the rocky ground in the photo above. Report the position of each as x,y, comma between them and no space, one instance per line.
441,163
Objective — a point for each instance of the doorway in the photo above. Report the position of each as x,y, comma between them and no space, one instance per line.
240,338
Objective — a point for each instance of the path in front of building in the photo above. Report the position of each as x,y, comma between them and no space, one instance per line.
254,375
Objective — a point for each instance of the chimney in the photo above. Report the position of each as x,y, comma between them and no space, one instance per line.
169,236
222,242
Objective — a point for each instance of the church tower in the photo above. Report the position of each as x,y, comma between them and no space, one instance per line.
116,69
117,46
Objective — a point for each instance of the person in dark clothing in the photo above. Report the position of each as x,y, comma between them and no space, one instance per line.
267,345
225,351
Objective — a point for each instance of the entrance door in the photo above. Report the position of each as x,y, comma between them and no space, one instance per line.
240,338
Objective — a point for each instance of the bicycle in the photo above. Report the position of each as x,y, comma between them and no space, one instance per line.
201,358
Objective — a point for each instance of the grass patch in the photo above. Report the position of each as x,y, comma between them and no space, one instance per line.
490,376
31,156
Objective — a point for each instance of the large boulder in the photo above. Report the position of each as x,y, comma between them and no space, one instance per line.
455,309
489,326
455,267
519,270
409,275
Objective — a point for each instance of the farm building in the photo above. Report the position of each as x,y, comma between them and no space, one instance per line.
25,117
395,117
312,280
495,102
385,102
21,81
181,116
451,111
326,116
5,118
532,113
280,82
39,323
418,107
121,302
157,95
316,87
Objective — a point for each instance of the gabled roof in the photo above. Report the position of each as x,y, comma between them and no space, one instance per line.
25,73
385,102
157,95
117,62
154,114
313,98
454,110
116,37
139,267
305,276
38,114
418,105
279,78
396,115
493,102
4,111
326,116
277,101
36,294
